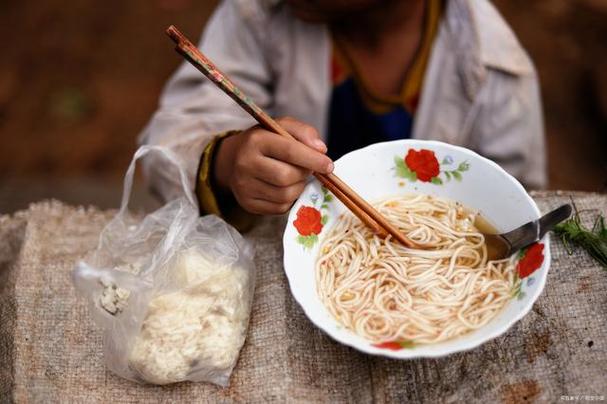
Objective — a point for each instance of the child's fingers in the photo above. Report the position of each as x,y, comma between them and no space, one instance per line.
278,173
271,193
304,133
296,153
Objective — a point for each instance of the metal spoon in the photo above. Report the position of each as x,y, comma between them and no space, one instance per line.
504,245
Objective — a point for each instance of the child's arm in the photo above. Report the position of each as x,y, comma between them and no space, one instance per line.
263,171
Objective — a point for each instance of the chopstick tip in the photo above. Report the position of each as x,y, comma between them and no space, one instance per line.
174,33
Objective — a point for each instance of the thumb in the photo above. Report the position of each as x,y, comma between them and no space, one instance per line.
306,134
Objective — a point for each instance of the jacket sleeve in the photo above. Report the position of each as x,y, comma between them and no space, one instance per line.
192,110
509,128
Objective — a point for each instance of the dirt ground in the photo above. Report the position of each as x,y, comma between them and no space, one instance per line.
567,40
78,82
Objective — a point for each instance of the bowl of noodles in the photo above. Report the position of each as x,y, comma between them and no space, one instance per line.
382,298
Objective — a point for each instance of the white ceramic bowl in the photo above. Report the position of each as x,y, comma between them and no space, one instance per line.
380,171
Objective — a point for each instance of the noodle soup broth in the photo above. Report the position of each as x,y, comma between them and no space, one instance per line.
385,292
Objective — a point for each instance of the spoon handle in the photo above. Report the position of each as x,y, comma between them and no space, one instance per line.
531,232
551,219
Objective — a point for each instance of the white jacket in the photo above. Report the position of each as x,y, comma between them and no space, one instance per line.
480,89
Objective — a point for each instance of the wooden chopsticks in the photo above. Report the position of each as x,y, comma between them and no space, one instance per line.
361,208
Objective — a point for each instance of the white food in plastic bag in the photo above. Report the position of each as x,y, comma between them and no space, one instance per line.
113,299
203,322
172,291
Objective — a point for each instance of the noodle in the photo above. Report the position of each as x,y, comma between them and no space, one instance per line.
384,291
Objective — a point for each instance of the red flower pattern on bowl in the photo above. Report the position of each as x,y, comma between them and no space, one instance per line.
423,163
531,261
308,221
395,345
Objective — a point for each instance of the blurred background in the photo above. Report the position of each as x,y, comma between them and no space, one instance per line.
79,82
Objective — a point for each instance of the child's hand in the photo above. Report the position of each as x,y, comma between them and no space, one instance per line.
267,172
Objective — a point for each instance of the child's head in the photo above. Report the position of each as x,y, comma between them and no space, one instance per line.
327,10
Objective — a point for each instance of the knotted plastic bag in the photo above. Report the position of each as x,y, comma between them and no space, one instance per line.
172,292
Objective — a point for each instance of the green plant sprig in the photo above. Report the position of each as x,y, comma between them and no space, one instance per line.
594,240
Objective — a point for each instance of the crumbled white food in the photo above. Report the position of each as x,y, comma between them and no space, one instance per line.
199,328
113,299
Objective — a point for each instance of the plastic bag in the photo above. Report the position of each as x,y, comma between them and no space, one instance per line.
172,292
